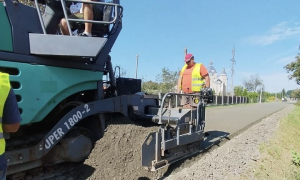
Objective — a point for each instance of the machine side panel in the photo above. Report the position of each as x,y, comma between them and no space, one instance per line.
50,61
24,20
5,31
40,88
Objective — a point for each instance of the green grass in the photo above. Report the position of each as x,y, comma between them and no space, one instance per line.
298,103
277,157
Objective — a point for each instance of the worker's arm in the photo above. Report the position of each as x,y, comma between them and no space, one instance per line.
207,81
11,115
11,128
205,75
179,84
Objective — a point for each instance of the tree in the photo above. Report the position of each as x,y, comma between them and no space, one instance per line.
150,87
245,93
294,69
288,93
252,83
167,80
295,93
283,92
238,90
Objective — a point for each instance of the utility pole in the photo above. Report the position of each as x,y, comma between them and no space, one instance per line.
232,69
136,68
260,94
185,53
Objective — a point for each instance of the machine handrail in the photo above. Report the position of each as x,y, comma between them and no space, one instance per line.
90,21
40,16
80,20
172,94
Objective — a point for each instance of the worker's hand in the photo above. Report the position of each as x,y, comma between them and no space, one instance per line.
10,128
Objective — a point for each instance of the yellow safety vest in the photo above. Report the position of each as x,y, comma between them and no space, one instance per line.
197,80
4,91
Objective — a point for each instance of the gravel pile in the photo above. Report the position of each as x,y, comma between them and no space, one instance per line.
117,155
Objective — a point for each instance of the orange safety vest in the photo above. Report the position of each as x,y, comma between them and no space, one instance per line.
197,79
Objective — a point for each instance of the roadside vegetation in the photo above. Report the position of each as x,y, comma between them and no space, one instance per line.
280,157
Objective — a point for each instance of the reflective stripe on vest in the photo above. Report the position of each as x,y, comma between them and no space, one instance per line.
4,91
197,80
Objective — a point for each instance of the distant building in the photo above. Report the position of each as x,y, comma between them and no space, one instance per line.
216,81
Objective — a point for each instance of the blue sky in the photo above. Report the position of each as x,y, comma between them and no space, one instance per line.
265,34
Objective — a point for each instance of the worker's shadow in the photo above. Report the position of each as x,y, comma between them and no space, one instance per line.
143,178
212,139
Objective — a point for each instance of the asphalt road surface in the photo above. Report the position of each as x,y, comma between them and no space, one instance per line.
227,121
234,118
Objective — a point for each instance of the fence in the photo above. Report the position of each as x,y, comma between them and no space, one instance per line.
227,100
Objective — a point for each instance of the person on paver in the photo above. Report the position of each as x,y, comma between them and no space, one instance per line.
9,118
90,12
193,77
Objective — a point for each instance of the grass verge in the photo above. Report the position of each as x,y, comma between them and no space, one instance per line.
280,157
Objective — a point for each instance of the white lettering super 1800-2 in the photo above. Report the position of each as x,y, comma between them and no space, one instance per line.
57,134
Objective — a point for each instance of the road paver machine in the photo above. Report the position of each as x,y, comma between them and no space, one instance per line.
66,90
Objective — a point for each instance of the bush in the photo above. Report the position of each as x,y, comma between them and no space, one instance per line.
271,98
296,158
253,97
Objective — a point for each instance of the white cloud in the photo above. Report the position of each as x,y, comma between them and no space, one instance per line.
278,32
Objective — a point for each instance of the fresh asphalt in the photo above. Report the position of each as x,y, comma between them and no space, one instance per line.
232,119
224,122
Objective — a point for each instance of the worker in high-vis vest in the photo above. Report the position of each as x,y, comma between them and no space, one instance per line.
9,118
193,77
